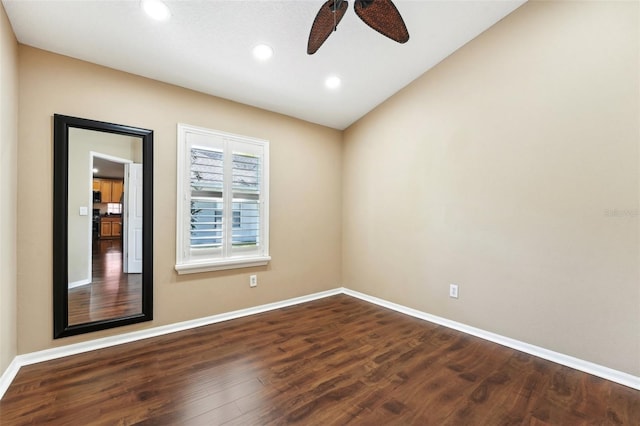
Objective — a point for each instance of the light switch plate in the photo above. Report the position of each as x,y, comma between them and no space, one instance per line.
453,291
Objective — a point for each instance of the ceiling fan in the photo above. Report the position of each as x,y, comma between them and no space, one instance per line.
381,15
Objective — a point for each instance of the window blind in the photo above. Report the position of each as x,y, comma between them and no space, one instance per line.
207,182
246,199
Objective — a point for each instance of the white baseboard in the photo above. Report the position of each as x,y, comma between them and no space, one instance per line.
76,348
78,283
569,361
8,375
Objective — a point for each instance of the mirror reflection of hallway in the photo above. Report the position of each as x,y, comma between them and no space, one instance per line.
105,175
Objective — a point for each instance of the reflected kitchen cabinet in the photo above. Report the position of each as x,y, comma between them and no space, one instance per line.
110,189
116,191
110,227
105,190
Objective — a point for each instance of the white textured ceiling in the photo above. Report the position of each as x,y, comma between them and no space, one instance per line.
206,46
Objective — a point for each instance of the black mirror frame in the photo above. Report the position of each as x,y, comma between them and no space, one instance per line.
61,125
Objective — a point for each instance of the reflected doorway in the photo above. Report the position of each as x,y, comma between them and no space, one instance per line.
114,285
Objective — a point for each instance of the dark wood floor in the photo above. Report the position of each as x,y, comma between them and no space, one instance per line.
112,293
333,361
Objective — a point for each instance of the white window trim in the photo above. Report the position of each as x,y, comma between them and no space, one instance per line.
221,265
184,265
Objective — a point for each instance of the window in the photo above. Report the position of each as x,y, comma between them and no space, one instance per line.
114,208
223,201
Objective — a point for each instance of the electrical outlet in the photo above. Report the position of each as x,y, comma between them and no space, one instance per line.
253,280
453,291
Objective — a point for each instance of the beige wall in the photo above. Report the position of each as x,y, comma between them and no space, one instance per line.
8,184
511,169
305,192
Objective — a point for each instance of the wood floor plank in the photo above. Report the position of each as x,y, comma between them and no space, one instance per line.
623,403
111,293
334,361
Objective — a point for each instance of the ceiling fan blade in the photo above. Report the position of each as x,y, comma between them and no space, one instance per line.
383,16
325,23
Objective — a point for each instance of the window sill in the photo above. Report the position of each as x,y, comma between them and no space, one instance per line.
220,265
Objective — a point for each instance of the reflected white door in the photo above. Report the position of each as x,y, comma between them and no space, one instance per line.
132,239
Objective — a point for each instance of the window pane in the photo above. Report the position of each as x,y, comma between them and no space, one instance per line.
246,199
246,220
206,169
114,208
246,173
206,223
207,179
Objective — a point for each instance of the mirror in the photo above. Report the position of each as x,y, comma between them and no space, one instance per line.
102,225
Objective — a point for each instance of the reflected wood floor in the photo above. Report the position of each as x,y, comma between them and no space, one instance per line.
333,361
112,293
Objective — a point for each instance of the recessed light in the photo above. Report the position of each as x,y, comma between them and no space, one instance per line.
262,52
95,170
333,82
156,9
